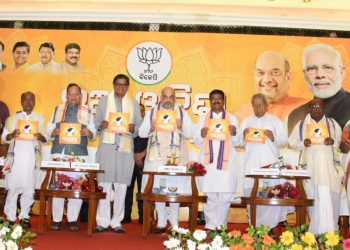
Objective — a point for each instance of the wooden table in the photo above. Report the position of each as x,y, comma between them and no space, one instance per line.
47,194
300,204
148,198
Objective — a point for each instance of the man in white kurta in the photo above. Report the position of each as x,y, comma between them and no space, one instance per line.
72,111
261,154
321,158
217,154
163,146
23,157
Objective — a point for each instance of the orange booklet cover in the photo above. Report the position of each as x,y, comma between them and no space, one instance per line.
70,133
28,129
118,123
166,120
255,135
316,133
218,129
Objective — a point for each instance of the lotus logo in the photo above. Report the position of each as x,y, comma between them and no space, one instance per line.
27,128
149,56
256,133
166,118
70,131
119,120
155,56
218,128
317,132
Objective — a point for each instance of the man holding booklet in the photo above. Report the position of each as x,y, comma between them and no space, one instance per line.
25,132
166,126
118,120
262,135
70,128
318,137
215,133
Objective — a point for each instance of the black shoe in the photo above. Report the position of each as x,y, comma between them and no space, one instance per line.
200,218
282,223
119,230
25,223
126,221
73,226
100,229
11,223
56,226
273,234
158,230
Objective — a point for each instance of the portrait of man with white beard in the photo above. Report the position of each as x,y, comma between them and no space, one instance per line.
324,73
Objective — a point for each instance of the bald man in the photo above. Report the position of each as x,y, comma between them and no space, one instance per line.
164,147
272,78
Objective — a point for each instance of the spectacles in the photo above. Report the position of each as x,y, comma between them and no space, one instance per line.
316,106
311,70
273,73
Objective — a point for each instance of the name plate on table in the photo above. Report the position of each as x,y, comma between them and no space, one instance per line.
85,165
172,169
265,171
55,164
293,172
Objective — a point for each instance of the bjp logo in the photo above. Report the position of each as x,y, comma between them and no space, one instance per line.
256,133
218,128
119,120
317,132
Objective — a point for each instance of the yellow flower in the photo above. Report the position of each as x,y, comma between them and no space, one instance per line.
309,248
308,238
296,247
332,239
287,238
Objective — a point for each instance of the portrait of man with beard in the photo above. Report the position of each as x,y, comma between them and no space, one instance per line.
324,73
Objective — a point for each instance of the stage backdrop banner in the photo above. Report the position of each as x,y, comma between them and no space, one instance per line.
194,63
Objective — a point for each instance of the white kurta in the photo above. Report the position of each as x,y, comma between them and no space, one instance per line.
325,184
23,174
261,154
216,180
182,183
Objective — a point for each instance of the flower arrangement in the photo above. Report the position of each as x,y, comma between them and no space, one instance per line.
196,167
65,182
172,159
284,191
14,237
69,159
254,239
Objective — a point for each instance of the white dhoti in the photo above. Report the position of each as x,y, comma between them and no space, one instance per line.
103,216
26,201
216,210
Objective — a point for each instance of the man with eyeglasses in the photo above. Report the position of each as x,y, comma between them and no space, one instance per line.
116,151
70,112
324,73
317,137
272,78
262,135
46,62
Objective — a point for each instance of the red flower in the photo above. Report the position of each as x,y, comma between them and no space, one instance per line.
197,168
346,244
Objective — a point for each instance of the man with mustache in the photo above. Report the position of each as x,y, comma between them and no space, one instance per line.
70,111
272,78
23,157
166,147
20,54
324,73
72,57
219,182
46,62
322,163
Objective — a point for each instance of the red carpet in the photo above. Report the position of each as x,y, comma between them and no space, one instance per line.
132,239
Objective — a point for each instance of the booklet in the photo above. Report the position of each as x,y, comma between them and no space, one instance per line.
70,133
218,129
255,135
316,133
118,123
28,129
166,120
